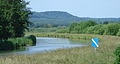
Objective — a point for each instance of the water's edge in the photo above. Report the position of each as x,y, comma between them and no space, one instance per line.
48,44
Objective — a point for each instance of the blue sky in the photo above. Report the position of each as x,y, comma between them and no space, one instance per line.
81,8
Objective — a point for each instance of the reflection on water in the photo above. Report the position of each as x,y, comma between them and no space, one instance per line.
47,44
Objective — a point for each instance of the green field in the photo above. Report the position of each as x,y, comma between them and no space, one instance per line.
83,55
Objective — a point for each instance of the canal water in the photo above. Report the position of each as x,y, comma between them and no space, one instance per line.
48,44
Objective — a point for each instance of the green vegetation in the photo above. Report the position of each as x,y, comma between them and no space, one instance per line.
79,27
43,30
70,36
53,18
118,34
97,29
117,53
62,30
16,43
14,17
91,27
80,55
60,18
112,29
33,38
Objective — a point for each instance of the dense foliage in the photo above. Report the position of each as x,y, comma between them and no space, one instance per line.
97,29
118,34
14,17
16,43
112,29
33,38
91,27
79,27
117,53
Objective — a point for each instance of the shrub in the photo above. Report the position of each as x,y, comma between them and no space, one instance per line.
118,34
97,29
117,53
20,42
112,29
16,43
6,45
33,38
79,27
107,29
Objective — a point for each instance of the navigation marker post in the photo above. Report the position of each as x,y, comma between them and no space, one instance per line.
95,43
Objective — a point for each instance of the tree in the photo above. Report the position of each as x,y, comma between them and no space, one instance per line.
112,29
5,23
72,26
97,29
80,27
20,17
14,17
118,34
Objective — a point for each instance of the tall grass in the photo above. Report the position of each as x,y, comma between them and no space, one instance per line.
79,55
16,43
70,36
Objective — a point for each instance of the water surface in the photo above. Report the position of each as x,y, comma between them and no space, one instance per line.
47,44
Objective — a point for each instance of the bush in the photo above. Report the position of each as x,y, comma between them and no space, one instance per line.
20,42
16,43
6,45
118,34
117,53
79,27
90,27
112,29
109,29
33,38
97,29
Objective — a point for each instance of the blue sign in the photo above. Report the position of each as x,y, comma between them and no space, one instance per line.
95,42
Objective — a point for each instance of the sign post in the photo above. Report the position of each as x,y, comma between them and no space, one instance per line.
95,43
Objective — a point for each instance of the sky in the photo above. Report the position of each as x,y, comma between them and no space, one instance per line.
81,8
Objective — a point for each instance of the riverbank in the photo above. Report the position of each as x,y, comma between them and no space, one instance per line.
17,43
85,55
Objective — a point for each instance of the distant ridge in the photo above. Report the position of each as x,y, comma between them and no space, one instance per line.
54,15
64,18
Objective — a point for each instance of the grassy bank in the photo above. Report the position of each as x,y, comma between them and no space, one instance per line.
80,55
70,36
16,43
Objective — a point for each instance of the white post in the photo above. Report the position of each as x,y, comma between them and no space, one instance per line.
95,49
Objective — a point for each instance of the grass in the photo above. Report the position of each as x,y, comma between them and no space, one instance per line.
16,43
43,30
79,55
70,36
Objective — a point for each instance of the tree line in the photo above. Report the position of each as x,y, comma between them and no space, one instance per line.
91,27
14,17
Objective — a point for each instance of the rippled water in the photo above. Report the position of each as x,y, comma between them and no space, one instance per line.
48,44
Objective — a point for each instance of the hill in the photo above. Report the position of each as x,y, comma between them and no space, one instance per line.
60,18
